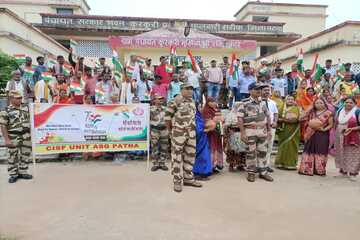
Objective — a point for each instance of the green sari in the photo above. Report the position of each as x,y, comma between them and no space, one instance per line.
288,140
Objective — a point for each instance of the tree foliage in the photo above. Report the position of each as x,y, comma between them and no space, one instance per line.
7,65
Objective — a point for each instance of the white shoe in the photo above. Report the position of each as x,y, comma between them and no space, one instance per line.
353,178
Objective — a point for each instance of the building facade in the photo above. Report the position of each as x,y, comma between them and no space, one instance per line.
272,25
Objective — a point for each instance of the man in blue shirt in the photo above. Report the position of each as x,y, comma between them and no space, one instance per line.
39,69
246,78
279,83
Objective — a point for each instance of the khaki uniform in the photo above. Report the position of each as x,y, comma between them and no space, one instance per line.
256,113
17,122
181,112
159,135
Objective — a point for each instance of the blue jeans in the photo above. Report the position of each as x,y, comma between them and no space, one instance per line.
213,90
196,95
236,96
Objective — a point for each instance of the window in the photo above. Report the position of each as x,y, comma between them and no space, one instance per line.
267,50
260,19
65,11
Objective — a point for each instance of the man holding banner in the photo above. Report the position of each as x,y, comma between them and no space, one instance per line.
180,121
15,129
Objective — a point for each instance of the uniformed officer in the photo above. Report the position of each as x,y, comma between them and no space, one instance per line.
159,134
255,129
15,128
180,120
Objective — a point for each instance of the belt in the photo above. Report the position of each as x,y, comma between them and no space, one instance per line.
158,127
255,127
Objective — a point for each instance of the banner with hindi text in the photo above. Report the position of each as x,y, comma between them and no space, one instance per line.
58,128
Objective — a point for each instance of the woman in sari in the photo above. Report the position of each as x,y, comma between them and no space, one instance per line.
316,149
211,112
347,142
202,167
288,135
305,100
235,149
326,95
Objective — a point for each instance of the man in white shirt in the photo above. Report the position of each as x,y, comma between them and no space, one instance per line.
271,106
214,79
329,68
279,83
17,84
193,80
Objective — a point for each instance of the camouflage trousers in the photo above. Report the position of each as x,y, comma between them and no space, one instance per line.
183,151
256,155
159,140
19,159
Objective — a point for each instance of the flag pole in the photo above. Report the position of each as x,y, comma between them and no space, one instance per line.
32,132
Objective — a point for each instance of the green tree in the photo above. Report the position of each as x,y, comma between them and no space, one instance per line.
7,65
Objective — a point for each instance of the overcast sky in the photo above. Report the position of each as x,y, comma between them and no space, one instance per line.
338,11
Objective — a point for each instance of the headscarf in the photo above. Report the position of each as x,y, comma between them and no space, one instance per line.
304,100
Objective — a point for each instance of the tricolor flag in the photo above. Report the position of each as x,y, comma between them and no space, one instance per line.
233,71
193,62
118,76
73,45
51,62
129,71
147,72
300,61
99,92
116,62
340,71
141,60
173,56
317,68
67,69
20,58
28,72
76,87
169,68
47,76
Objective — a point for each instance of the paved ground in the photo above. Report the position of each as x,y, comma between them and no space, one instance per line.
100,200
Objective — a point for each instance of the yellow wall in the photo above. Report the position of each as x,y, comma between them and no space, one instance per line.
304,25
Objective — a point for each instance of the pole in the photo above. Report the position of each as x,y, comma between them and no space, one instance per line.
32,132
148,138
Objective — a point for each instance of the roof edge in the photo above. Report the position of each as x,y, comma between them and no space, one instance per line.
279,4
315,35
162,19
12,14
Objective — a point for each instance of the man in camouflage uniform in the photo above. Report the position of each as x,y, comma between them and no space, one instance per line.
255,130
15,128
180,120
159,134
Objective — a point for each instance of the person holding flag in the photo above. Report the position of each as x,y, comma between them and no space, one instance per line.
232,76
77,88
164,71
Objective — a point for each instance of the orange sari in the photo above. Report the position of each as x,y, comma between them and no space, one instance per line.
305,102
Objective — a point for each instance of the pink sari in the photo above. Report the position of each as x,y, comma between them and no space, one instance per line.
316,149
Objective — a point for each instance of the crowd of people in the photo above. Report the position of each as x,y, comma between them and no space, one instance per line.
205,114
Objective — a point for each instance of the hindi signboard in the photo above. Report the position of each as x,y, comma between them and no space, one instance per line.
148,24
58,128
